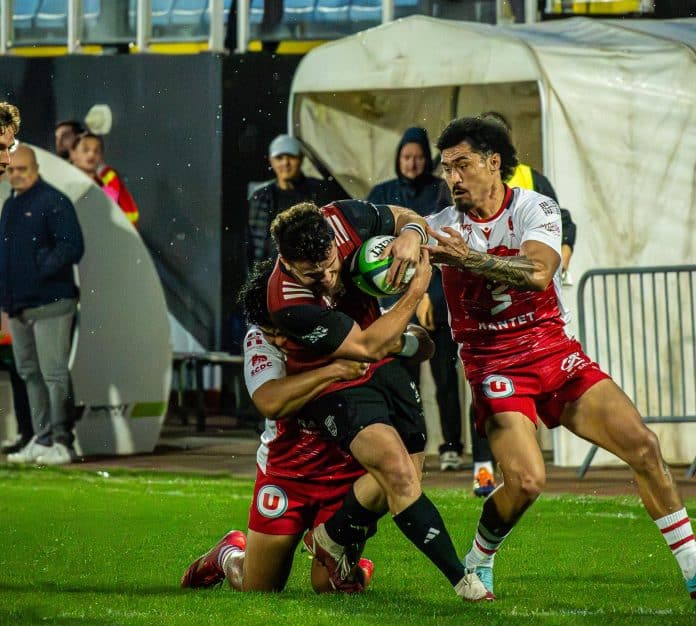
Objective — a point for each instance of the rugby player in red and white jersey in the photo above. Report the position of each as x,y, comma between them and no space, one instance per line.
500,252
302,477
379,416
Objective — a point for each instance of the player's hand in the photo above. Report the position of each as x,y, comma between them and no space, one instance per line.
421,279
405,250
426,347
425,314
349,370
451,249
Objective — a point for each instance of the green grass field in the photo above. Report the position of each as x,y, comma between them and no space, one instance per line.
93,548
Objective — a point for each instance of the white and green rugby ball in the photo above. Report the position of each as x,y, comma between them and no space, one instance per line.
369,272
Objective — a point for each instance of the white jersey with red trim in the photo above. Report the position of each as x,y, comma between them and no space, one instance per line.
496,325
291,448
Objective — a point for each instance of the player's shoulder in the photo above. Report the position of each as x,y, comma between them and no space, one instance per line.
448,216
527,201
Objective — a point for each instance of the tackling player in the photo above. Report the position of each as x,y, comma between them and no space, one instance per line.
378,417
500,251
301,479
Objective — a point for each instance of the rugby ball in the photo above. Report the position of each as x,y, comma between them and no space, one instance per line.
369,272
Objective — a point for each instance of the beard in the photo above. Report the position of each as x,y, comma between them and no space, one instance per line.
462,205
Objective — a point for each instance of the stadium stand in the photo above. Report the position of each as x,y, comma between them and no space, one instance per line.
365,11
331,11
188,12
24,13
52,15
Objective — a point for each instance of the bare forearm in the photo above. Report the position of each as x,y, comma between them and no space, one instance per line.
516,271
284,396
385,335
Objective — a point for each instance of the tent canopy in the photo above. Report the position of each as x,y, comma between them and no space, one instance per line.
605,108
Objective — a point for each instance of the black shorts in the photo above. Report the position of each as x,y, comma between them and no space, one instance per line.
389,397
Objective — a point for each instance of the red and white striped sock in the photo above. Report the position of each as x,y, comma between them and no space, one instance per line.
483,549
677,531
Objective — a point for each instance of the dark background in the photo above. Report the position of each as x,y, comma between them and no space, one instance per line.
189,133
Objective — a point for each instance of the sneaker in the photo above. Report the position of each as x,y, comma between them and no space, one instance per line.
57,454
205,571
471,589
29,453
333,557
484,483
691,586
365,570
485,575
10,447
450,461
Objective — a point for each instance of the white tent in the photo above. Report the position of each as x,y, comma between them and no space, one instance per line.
607,109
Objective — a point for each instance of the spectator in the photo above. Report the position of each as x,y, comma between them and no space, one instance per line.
40,241
415,187
20,401
66,133
87,154
289,187
9,126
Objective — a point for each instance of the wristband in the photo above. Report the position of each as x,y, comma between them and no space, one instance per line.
419,229
411,344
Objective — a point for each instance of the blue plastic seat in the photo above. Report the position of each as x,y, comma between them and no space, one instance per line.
331,10
52,15
188,12
295,11
161,12
256,11
365,11
402,8
24,12
91,9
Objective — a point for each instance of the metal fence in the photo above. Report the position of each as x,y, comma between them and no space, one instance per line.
639,324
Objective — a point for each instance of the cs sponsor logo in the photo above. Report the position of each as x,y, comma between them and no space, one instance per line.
330,423
495,386
271,501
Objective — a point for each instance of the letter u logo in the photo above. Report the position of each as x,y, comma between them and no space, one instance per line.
271,501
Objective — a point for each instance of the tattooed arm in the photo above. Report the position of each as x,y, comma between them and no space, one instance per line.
532,270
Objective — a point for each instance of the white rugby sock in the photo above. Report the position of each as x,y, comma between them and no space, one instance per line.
677,531
231,560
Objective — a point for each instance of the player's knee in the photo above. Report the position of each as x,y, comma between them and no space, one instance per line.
531,484
400,477
644,456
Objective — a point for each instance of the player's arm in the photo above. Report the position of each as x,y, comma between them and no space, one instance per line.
410,232
282,397
385,336
532,270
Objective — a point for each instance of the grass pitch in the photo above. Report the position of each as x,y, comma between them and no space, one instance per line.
99,548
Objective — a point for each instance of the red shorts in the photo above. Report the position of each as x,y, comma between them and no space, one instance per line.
537,388
289,507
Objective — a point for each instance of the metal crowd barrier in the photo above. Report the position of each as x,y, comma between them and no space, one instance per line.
639,324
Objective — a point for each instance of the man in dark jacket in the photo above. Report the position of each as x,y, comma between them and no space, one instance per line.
289,187
415,187
40,241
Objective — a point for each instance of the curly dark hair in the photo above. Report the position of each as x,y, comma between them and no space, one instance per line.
302,233
252,295
484,137
9,117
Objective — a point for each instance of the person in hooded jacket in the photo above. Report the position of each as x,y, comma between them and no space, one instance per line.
417,188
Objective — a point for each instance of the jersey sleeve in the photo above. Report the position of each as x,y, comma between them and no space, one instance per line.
322,330
262,361
368,219
540,220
